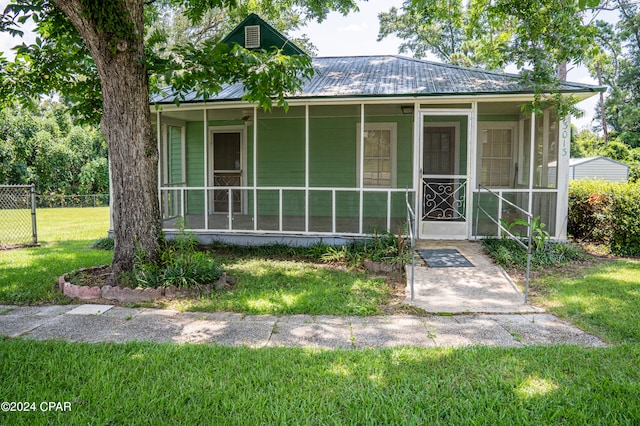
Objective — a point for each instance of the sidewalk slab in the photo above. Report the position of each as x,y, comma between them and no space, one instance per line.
324,332
41,310
17,325
545,329
391,331
89,309
303,330
77,328
483,288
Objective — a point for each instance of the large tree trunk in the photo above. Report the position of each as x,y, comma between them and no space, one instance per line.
126,127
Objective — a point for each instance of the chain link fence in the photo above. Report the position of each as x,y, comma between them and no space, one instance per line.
60,200
17,216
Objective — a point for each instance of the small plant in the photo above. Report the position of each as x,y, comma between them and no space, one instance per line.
103,244
509,253
180,264
385,248
539,236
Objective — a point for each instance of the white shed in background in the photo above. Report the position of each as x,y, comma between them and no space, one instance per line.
593,168
598,168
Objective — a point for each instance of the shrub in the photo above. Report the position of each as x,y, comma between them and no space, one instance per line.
103,244
181,264
606,212
508,253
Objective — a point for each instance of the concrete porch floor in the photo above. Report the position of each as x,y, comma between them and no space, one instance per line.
483,288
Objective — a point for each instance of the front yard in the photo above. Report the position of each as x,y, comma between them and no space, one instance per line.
146,383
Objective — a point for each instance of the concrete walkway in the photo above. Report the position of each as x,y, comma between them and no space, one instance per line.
483,288
107,323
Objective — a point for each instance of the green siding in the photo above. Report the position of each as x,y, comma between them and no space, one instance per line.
498,117
195,166
332,163
174,140
281,152
332,152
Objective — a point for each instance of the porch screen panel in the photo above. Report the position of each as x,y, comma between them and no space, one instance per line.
332,146
374,212
510,214
174,139
499,211
496,161
320,211
546,150
399,212
281,147
268,201
544,205
195,173
348,204
293,205
524,153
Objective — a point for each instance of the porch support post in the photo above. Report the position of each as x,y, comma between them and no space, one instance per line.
206,169
562,204
472,159
255,168
532,162
306,168
160,158
544,167
417,168
361,160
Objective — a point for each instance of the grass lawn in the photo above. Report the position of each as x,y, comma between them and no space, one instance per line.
604,299
273,286
139,383
264,285
146,383
28,275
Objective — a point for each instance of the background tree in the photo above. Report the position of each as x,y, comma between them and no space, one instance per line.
539,37
86,47
43,147
622,106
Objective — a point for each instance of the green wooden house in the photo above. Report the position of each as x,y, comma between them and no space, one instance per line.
363,137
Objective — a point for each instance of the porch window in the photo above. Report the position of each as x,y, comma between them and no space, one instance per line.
173,155
496,144
379,155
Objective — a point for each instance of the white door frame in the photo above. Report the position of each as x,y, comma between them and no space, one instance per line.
446,229
243,160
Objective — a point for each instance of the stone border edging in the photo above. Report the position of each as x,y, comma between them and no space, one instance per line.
126,294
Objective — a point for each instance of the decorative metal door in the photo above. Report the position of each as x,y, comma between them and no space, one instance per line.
443,189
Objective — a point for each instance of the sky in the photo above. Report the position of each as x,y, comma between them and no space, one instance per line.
356,34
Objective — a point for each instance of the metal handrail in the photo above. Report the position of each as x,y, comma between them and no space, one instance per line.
517,239
411,218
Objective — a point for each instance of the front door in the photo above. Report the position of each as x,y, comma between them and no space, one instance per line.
226,155
443,181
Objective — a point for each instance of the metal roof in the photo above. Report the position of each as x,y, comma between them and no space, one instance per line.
579,161
389,75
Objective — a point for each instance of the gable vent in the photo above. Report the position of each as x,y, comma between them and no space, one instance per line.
252,36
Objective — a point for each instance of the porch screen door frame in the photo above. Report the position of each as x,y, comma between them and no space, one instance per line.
449,227
211,172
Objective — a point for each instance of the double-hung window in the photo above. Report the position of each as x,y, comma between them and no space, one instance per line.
379,156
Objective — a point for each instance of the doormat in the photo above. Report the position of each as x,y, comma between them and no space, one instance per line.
444,258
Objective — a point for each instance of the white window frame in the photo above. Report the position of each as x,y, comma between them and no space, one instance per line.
392,127
165,149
